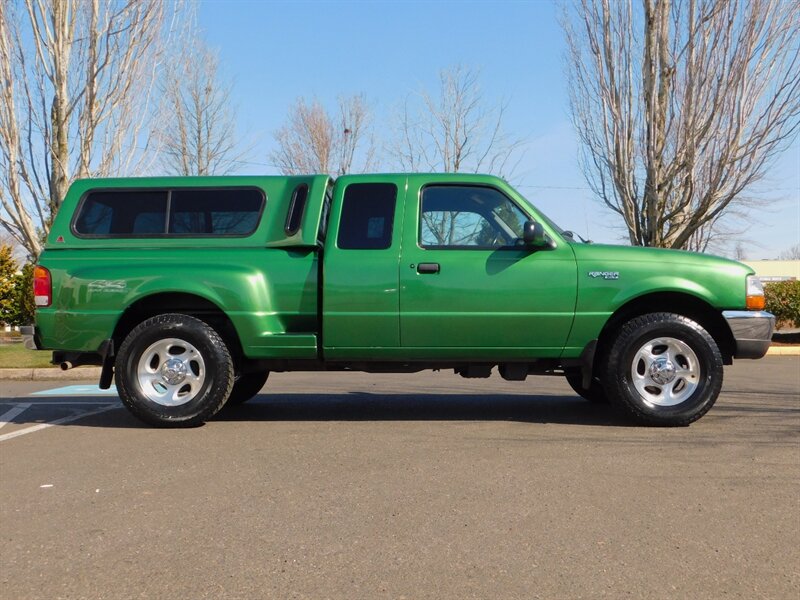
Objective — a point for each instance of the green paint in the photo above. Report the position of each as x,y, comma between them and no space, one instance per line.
489,304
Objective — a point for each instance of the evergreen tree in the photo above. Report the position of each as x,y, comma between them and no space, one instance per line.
23,297
8,284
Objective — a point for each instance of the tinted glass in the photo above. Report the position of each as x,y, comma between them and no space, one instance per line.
367,216
215,212
326,212
296,209
129,213
466,216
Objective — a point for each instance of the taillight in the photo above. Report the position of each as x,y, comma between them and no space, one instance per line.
42,286
754,296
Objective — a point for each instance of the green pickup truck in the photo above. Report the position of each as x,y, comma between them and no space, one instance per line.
190,291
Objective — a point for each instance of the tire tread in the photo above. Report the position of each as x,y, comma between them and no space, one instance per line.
127,395
615,384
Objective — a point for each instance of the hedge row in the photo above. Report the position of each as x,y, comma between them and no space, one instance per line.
16,290
783,301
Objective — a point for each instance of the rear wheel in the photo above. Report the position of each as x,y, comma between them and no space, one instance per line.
595,393
174,370
663,369
247,386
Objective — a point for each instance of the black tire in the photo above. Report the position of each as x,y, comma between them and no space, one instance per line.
596,392
683,379
182,348
247,386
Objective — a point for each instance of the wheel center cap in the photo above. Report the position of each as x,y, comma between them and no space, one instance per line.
662,371
174,371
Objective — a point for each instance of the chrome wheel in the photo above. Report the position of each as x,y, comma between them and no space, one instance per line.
171,372
665,371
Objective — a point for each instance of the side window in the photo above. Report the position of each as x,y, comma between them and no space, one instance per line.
296,209
123,213
367,216
135,213
459,216
215,212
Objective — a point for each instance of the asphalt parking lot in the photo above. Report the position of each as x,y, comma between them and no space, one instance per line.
403,486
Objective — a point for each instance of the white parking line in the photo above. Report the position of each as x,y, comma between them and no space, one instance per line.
59,403
8,416
77,390
69,419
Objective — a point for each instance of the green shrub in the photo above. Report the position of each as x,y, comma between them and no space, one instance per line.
16,290
8,283
26,306
783,301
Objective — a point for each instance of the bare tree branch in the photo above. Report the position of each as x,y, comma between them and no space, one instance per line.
454,130
199,133
77,78
681,105
315,141
792,253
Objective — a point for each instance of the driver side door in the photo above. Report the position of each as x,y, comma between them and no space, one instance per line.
469,287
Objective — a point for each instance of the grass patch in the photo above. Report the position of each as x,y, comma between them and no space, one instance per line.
18,356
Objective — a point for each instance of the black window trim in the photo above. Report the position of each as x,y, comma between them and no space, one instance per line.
469,248
290,212
166,234
325,213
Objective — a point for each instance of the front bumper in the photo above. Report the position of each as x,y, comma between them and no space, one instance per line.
752,332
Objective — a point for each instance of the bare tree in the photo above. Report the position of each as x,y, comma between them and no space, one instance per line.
455,129
315,141
199,133
77,77
681,105
792,253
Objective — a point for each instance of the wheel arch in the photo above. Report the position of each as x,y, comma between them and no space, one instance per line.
683,304
181,303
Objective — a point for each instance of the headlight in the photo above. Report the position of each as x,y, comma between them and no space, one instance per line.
755,293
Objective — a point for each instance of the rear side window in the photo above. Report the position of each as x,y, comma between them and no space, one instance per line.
182,212
122,213
296,209
367,216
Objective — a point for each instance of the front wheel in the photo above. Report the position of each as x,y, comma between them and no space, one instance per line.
173,370
663,369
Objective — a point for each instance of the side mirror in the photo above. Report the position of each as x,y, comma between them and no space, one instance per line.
533,235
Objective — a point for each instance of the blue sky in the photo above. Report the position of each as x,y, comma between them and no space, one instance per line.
274,52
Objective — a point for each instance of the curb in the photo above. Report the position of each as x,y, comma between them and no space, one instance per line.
51,374
783,351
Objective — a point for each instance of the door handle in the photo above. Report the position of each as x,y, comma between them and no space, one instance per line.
428,268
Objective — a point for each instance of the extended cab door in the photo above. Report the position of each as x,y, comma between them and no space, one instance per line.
469,288
360,289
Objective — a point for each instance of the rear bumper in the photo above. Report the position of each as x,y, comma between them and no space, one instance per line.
752,332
